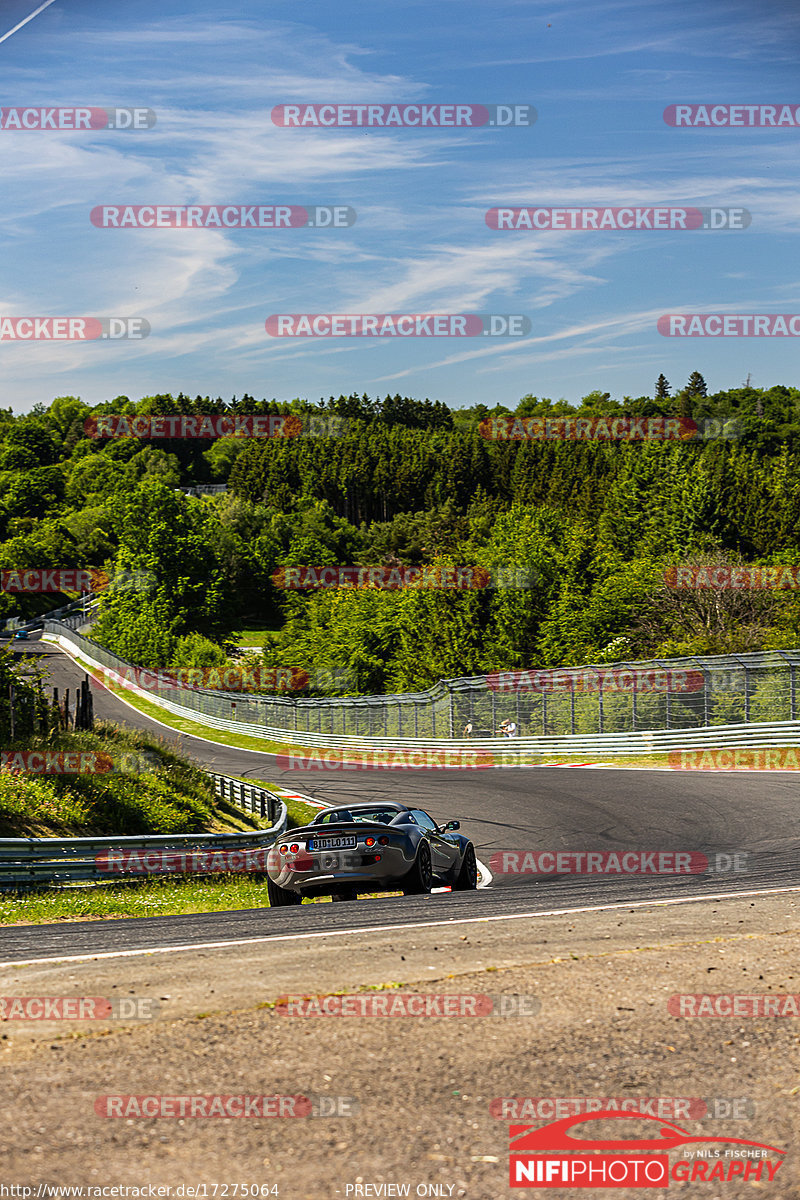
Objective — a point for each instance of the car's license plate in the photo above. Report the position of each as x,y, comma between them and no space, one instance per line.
345,842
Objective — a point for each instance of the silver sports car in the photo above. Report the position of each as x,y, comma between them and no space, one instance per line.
384,846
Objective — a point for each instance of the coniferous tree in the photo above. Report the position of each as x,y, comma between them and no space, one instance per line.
696,385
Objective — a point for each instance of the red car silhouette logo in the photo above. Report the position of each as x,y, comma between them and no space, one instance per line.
526,1139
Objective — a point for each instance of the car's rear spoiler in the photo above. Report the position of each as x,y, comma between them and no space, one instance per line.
338,827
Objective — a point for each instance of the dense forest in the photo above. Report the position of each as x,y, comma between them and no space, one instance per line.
591,524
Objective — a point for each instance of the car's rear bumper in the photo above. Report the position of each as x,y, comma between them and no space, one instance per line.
319,873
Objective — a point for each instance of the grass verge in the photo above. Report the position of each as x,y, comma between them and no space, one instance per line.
132,782
148,898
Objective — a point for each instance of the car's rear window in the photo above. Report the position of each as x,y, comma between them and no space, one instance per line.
383,815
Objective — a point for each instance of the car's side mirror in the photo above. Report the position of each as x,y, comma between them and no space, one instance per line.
451,825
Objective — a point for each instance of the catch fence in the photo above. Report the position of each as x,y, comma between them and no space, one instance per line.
634,697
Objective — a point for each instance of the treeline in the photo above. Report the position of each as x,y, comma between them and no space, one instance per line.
594,524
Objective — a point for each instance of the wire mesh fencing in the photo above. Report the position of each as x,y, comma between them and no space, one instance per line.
685,693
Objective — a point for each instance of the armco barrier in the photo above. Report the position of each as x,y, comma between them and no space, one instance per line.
52,862
258,801
769,683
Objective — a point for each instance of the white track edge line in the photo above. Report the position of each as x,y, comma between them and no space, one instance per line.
378,929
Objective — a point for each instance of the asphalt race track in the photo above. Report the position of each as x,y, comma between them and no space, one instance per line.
753,815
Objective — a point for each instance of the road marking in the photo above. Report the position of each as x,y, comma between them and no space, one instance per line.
375,929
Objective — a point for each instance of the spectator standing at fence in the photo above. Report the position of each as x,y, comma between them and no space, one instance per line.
468,729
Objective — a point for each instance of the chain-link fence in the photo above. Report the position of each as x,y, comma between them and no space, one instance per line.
686,693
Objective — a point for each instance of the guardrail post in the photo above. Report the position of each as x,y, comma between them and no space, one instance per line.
600,707
792,697
634,704
544,712
746,695
263,804
572,706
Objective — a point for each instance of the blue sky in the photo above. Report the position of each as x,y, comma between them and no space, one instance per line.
599,75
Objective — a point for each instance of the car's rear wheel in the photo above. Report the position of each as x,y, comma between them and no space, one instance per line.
419,879
467,878
279,897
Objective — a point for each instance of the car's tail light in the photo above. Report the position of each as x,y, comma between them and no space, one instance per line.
294,848
370,841
284,849
384,841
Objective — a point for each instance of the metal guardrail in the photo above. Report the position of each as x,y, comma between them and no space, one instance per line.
507,751
258,801
614,698
510,752
53,862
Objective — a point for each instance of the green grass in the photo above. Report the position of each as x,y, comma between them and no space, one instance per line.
156,792
255,638
150,898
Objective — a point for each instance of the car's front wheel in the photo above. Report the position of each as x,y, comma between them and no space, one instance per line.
279,897
419,879
467,878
